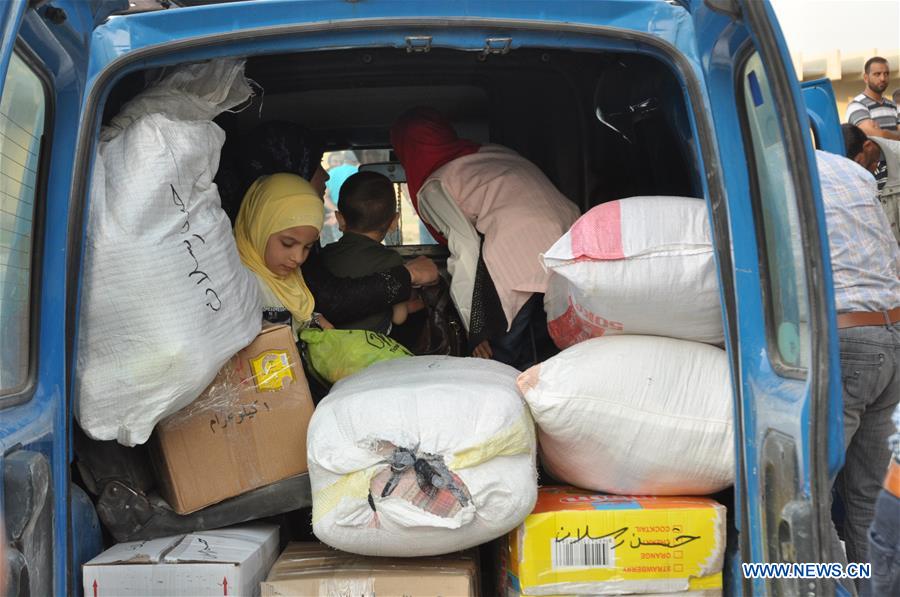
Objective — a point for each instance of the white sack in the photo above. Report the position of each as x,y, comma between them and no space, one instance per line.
465,412
637,415
166,300
642,265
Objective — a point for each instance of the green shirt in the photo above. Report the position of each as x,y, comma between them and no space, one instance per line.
355,256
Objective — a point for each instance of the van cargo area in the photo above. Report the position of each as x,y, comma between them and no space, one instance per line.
601,125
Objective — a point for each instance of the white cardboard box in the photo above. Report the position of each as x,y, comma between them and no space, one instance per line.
231,561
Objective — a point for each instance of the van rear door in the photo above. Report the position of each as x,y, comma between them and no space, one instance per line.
43,62
784,339
821,107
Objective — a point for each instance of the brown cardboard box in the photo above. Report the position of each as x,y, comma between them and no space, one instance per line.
315,569
247,429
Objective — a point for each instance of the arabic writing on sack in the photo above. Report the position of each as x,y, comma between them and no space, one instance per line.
237,415
212,297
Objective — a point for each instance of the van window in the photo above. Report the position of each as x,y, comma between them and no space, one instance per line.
343,164
775,203
21,128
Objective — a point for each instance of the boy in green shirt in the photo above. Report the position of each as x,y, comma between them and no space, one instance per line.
367,213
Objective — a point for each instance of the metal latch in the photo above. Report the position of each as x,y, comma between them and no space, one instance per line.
419,44
495,45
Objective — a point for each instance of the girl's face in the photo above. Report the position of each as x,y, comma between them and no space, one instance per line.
288,249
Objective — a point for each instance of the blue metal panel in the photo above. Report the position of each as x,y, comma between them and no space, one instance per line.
11,13
41,423
821,107
708,40
124,34
835,415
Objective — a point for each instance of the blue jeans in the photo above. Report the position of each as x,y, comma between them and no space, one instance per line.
884,546
870,376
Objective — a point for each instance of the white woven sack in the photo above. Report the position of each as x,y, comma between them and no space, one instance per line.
642,265
471,434
637,415
166,300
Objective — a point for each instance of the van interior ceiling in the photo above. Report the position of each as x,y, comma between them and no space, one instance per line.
601,125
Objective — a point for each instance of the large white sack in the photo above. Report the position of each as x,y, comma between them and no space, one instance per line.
642,265
467,413
166,300
640,415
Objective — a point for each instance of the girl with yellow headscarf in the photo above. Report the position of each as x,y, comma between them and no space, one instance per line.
278,224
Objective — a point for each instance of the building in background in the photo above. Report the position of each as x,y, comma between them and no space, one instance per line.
845,70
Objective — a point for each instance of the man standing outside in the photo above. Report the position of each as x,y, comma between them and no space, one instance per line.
875,114
865,262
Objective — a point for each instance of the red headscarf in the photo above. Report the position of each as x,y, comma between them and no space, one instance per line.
424,141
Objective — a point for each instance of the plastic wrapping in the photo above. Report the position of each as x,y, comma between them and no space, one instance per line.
247,429
335,354
237,393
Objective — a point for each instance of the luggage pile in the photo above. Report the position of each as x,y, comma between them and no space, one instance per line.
638,407
412,462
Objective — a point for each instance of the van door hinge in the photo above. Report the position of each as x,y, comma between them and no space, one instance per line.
419,44
495,45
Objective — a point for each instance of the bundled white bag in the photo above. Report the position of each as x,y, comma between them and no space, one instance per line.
642,265
421,456
166,301
637,415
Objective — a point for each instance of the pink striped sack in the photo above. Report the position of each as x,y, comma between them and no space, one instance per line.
642,265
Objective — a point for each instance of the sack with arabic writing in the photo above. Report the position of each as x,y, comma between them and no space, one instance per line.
165,299
336,354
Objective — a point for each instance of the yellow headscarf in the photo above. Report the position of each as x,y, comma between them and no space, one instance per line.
272,204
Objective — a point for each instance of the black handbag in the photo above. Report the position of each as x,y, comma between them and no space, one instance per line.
442,332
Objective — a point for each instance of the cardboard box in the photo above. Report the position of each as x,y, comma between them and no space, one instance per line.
315,569
247,429
230,561
579,543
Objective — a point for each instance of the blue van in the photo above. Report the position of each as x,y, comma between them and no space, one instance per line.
611,98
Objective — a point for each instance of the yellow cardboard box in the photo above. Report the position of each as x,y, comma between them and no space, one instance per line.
579,543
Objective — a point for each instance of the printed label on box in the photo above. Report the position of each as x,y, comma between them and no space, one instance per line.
571,552
618,544
271,369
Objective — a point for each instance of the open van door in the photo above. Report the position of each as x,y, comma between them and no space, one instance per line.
43,61
824,119
784,340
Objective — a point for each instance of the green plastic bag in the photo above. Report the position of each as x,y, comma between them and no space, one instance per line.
336,354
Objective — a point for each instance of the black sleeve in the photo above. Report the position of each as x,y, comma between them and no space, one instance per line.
342,300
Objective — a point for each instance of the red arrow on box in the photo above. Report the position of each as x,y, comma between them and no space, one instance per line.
95,587
224,585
